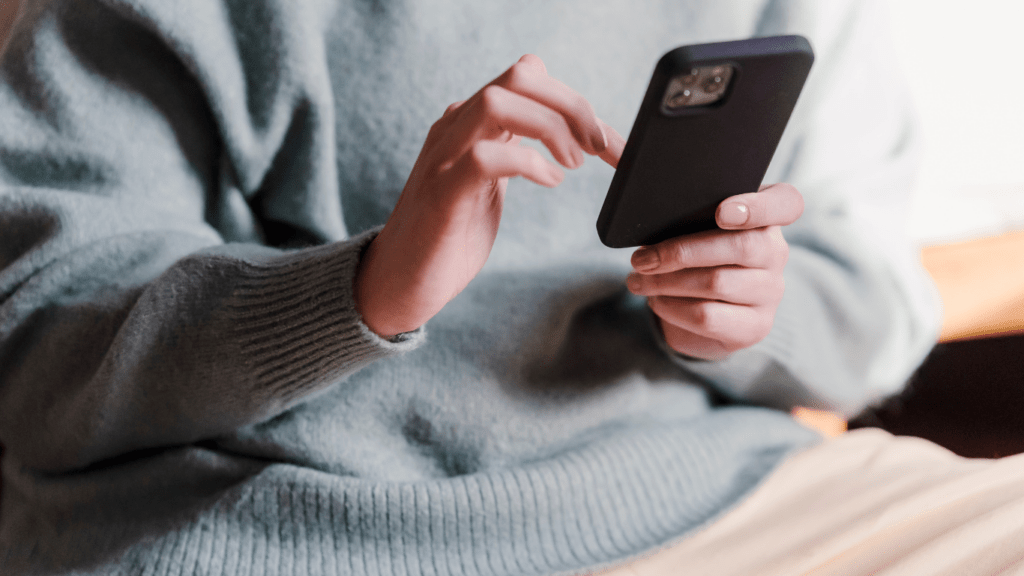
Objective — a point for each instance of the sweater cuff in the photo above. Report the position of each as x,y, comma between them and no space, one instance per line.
296,322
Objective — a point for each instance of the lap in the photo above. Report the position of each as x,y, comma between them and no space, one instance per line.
864,503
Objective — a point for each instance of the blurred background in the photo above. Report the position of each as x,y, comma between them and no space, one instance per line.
963,63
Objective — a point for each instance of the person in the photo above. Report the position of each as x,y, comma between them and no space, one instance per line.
261,311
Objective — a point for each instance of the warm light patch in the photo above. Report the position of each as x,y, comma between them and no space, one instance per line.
829,424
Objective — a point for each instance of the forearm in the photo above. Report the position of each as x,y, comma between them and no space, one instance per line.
153,338
130,150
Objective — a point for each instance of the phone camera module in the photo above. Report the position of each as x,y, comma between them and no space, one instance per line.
702,86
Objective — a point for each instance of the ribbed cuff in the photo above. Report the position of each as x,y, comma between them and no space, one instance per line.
296,320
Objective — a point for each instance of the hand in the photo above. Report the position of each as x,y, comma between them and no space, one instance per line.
716,292
443,227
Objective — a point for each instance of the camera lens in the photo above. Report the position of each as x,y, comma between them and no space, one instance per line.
714,85
680,98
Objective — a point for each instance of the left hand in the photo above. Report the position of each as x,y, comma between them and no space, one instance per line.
717,291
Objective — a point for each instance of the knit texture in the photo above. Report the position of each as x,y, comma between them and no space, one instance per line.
186,387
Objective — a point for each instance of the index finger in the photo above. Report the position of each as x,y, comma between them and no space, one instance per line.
616,144
760,248
529,77
774,205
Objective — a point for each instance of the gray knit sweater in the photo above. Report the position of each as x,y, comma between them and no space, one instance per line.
186,187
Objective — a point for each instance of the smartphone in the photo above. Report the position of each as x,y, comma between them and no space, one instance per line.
707,129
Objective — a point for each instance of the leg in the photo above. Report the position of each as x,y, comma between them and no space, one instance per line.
967,396
864,503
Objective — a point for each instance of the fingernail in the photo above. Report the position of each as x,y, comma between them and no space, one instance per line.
733,214
646,259
599,141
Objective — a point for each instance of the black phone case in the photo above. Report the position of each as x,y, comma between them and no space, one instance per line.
678,166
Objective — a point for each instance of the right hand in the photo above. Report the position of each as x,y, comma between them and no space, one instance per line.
444,224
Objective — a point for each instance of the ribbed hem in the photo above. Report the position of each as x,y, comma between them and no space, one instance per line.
296,322
593,507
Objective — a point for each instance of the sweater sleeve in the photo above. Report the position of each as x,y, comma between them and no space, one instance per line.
859,313
149,153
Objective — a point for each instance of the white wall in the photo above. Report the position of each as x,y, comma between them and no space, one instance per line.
964,62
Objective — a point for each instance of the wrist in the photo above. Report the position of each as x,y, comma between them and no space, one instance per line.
366,294
374,287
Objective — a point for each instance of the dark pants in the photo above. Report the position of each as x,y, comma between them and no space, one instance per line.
967,396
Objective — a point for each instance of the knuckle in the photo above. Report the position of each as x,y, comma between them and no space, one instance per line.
718,322
478,155
718,281
763,247
438,127
490,99
705,318
747,246
519,73
435,128
650,283
677,254
775,250
781,248
769,246
726,283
